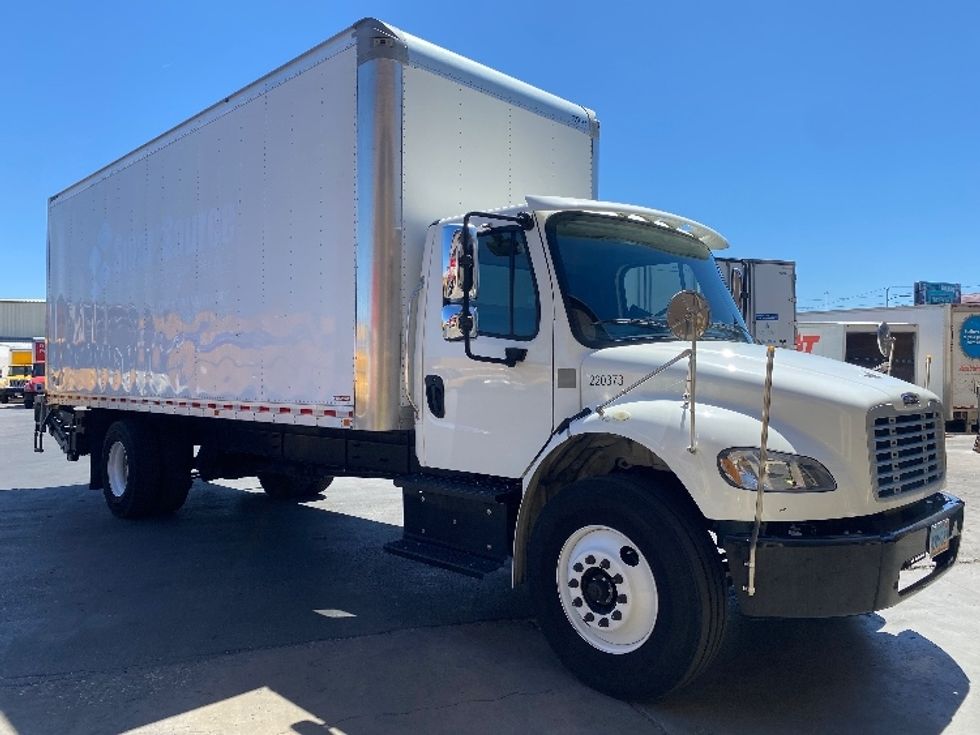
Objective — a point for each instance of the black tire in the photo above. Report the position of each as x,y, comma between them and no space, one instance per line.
4,398
29,401
689,624
177,457
287,487
143,478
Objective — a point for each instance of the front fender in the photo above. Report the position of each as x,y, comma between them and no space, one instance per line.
661,426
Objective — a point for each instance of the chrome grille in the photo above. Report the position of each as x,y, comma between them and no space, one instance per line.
907,451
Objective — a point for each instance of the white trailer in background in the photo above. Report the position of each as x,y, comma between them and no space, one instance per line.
857,343
937,347
765,292
386,260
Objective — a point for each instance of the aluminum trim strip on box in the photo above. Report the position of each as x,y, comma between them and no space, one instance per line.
378,300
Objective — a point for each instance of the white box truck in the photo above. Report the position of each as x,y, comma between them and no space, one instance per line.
385,260
937,347
765,292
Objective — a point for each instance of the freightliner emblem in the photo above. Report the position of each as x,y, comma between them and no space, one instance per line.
910,399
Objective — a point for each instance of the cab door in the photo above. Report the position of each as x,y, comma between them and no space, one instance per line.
476,416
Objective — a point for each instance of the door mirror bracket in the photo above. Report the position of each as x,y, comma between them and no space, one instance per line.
467,276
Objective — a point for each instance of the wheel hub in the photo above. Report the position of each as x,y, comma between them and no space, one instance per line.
601,588
117,469
607,589
599,591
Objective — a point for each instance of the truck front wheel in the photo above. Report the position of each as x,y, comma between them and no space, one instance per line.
131,470
286,487
628,587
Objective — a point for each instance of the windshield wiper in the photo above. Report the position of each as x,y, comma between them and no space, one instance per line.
632,321
729,329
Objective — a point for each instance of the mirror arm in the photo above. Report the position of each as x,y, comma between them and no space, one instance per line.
512,355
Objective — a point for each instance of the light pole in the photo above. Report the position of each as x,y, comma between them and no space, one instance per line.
889,288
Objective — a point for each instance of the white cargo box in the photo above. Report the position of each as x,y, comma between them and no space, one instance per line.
255,261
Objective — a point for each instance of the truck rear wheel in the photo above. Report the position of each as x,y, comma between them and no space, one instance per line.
131,470
628,587
286,487
177,457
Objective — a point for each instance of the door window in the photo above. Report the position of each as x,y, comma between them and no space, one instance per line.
507,300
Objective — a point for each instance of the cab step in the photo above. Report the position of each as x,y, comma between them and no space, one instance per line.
461,524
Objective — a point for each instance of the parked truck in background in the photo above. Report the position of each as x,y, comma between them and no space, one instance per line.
17,373
386,260
765,293
34,387
937,347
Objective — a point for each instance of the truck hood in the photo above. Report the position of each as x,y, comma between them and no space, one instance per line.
821,408
731,374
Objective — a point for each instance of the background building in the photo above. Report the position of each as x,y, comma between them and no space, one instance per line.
21,319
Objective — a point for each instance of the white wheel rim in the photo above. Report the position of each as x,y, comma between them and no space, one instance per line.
607,589
117,468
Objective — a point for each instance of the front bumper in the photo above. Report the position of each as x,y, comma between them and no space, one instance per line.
846,567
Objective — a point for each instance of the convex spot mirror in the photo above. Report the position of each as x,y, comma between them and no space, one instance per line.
885,339
452,263
452,327
688,315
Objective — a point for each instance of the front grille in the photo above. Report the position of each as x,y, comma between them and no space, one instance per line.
907,451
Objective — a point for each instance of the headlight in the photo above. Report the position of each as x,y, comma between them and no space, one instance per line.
790,473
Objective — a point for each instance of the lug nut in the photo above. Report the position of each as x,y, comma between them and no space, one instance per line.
616,615
577,602
618,579
573,583
590,559
578,567
604,564
621,599
588,617
603,622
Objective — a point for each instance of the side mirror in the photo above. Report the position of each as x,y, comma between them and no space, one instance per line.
736,286
885,339
688,315
452,328
452,263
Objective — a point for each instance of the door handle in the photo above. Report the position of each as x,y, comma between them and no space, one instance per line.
435,395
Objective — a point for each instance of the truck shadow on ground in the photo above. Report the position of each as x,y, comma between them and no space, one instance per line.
240,606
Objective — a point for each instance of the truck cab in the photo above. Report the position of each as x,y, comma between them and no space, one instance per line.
543,356
34,387
17,374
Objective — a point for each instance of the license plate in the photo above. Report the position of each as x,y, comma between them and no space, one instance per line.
939,537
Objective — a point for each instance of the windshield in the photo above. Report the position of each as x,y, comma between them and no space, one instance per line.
618,276
20,371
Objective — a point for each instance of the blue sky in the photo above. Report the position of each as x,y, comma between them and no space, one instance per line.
845,136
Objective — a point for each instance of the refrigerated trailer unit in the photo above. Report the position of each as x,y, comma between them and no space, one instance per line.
857,343
938,348
765,292
386,260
